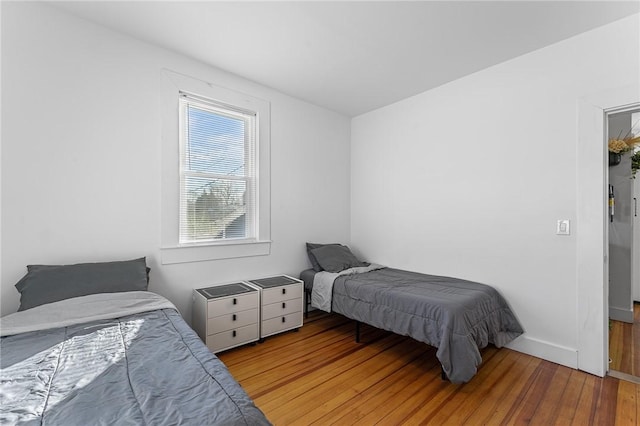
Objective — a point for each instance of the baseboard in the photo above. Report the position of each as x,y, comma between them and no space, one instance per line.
549,351
618,314
624,376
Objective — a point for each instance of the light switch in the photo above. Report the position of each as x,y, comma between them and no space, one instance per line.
563,227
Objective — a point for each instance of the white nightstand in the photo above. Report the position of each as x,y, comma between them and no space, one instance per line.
281,304
226,316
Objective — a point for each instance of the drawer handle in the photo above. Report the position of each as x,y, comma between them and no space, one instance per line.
233,318
284,305
235,301
234,333
284,319
284,291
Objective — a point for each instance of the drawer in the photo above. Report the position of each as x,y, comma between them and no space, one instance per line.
229,305
279,309
230,338
281,323
279,294
231,321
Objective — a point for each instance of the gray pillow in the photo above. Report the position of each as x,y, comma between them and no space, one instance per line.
336,258
314,263
52,283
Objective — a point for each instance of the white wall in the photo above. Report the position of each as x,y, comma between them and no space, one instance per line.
81,157
469,179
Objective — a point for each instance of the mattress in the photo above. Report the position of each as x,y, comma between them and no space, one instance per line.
127,368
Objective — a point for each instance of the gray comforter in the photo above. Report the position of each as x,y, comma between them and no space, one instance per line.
456,316
147,368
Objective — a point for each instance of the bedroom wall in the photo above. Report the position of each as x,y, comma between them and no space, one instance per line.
469,179
81,157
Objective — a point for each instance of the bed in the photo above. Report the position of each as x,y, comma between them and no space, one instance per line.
456,316
124,357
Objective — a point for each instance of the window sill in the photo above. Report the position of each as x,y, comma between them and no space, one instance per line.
200,253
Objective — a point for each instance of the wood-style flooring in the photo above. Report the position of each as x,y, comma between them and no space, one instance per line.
624,344
320,376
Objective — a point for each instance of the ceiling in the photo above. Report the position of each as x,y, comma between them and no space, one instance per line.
352,56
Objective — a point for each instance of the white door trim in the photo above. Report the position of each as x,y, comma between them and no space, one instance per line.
591,229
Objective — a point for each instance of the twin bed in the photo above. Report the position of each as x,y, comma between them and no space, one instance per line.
100,357
456,316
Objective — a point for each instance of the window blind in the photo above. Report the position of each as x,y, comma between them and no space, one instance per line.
217,171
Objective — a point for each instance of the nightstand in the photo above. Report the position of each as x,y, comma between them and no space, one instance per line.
280,304
226,316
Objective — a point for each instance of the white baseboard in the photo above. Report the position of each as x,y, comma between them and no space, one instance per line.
618,314
549,351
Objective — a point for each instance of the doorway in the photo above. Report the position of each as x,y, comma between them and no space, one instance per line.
623,127
591,215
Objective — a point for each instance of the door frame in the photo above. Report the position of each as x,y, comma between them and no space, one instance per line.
592,239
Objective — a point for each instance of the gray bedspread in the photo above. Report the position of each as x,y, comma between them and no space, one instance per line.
456,316
147,368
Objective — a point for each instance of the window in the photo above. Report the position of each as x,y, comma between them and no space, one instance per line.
215,162
217,171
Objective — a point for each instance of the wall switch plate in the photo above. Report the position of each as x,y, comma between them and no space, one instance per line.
563,227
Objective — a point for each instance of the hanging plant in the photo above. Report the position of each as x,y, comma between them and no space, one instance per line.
624,145
620,146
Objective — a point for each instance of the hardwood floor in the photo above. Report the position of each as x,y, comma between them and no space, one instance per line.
320,376
624,344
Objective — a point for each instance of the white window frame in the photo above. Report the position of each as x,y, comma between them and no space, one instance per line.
171,250
188,100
